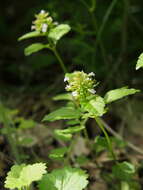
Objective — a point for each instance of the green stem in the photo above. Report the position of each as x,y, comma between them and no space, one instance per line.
60,60
106,136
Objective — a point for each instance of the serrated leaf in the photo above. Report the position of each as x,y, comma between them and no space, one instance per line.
58,32
139,62
65,96
58,153
13,179
33,48
30,35
32,173
23,175
64,179
96,106
119,93
63,113
123,171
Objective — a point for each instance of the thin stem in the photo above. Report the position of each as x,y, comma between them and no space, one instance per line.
106,136
60,60
82,123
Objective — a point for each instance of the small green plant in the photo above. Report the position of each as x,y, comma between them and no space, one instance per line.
44,26
84,103
20,177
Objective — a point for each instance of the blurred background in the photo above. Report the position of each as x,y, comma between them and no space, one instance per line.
106,37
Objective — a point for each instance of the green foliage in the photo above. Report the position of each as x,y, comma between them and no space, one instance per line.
65,96
95,106
23,175
63,113
66,134
58,153
33,48
30,35
123,171
64,179
58,32
139,62
119,93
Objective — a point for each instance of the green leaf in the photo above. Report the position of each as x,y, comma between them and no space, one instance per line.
95,107
13,179
27,140
119,93
65,96
58,153
23,175
63,113
123,171
58,32
139,62
64,179
30,35
100,144
26,124
66,134
34,48
32,173
74,129
59,134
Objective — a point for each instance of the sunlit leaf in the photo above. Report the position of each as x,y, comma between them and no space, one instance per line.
96,106
23,175
65,96
33,48
64,179
58,32
30,35
119,93
58,153
139,62
63,113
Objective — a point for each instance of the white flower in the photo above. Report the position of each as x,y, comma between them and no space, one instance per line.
74,93
92,91
33,27
66,79
55,23
44,27
67,87
92,74
42,12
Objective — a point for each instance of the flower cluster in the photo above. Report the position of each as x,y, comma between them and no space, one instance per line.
80,84
43,22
